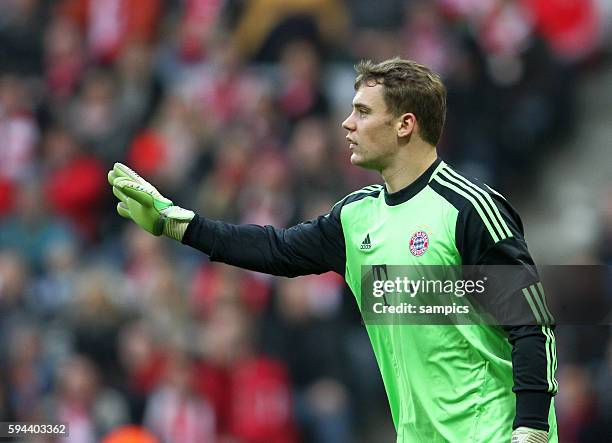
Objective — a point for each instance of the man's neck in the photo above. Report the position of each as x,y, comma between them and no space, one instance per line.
404,173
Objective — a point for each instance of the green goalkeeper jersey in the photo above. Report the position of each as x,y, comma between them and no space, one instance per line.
445,383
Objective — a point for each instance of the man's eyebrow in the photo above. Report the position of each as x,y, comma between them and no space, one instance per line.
362,106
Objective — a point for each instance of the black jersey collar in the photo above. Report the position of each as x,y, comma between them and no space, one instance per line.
413,188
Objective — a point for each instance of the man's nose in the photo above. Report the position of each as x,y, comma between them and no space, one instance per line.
348,124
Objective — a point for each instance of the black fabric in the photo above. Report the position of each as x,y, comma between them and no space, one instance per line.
532,410
312,247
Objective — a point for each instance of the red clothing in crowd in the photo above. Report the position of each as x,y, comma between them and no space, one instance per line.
252,400
213,281
111,24
198,22
570,26
7,196
147,152
75,191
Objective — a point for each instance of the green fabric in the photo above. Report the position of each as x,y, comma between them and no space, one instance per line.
444,383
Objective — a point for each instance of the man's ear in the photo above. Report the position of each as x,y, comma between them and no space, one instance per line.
406,124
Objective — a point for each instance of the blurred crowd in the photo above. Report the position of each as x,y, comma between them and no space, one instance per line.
233,108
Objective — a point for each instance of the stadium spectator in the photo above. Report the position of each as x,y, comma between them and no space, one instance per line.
74,182
250,392
174,412
89,409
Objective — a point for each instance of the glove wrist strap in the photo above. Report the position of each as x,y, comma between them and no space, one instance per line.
175,229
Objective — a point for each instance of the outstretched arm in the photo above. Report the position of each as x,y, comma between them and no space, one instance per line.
311,247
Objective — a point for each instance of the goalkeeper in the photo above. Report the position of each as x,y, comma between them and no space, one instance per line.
451,383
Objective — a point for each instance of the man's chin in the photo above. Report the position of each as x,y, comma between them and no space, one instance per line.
358,160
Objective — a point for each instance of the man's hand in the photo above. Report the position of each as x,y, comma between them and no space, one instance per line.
142,203
528,435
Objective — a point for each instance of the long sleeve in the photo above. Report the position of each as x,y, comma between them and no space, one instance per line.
532,340
312,247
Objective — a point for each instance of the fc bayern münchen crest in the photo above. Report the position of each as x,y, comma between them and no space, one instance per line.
419,243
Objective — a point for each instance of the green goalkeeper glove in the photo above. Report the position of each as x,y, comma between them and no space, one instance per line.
142,203
528,435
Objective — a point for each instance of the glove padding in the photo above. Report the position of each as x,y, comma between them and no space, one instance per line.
529,435
142,203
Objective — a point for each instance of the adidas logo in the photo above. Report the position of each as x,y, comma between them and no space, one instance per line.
366,243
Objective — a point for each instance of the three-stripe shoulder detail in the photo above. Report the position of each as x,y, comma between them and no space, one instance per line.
370,190
366,190
480,199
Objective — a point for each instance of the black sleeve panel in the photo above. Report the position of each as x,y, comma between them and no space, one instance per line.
533,355
474,240
532,365
312,247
